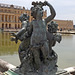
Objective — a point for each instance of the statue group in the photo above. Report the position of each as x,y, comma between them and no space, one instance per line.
37,39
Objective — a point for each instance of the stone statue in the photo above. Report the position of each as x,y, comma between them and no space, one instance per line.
52,35
35,51
25,23
38,26
22,35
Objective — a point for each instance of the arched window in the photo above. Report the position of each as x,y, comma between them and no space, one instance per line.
18,26
15,26
3,25
9,25
6,26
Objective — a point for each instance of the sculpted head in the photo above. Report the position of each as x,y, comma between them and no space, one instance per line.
24,17
37,10
52,27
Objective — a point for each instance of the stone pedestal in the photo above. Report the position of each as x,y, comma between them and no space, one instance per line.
48,68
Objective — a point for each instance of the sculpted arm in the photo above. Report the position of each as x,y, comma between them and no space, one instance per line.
23,30
30,30
20,33
53,13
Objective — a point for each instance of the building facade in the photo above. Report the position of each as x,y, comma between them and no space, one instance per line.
64,24
9,16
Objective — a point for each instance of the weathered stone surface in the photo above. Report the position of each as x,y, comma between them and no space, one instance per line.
35,51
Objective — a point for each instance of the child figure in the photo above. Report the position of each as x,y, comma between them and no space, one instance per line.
24,18
38,28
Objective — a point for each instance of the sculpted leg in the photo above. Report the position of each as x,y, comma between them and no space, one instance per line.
45,51
36,56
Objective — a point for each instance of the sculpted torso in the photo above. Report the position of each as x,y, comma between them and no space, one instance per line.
39,31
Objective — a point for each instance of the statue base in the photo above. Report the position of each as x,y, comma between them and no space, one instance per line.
59,72
50,68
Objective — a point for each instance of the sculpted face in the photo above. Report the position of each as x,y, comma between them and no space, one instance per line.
37,12
24,17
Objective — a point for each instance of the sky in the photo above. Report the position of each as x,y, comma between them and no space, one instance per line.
65,9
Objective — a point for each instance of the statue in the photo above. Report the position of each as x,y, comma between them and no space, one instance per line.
22,35
35,51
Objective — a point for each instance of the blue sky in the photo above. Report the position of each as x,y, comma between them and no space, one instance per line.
65,9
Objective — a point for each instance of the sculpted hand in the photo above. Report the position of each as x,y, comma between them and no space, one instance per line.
46,3
13,34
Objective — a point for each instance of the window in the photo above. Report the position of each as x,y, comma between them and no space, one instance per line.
18,26
9,25
3,25
15,26
6,26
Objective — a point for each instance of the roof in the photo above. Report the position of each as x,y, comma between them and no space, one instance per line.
11,6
